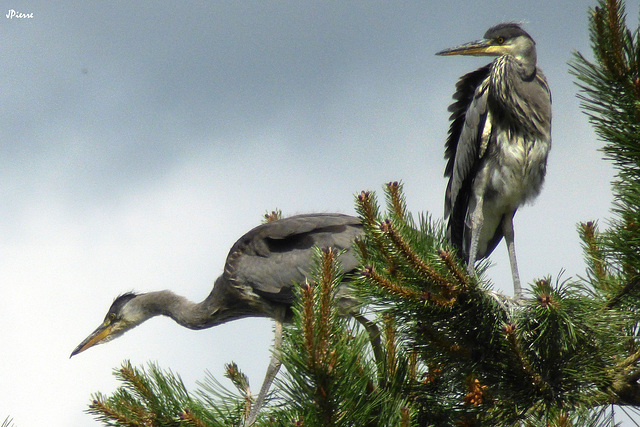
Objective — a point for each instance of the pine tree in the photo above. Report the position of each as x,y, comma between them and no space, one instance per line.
456,353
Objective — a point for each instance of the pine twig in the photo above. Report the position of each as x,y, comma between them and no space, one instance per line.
190,418
272,216
442,342
458,274
130,375
325,318
426,271
625,383
618,66
370,273
367,207
397,204
307,319
628,288
241,382
510,333
390,341
406,417
107,412
589,232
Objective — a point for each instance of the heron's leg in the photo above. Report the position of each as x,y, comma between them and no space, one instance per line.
374,338
477,219
507,230
272,369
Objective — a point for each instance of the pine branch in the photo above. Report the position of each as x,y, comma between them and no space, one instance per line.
396,200
610,94
328,381
428,272
593,253
241,382
546,355
272,216
156,397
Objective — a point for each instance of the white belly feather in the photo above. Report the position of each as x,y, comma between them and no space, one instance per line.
511,176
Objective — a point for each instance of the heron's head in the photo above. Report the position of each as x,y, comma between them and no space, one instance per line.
123,315
502,39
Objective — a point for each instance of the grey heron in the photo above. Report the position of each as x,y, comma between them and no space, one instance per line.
260,272
498,143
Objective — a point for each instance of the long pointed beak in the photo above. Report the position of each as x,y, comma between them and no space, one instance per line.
477,48
100,335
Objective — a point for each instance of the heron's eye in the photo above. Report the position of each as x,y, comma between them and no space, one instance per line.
500,39
112,316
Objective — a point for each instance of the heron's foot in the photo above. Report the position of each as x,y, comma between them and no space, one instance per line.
471,270
517,293
517,288
508,304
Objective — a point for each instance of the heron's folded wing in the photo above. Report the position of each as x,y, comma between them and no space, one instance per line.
469,135
275,256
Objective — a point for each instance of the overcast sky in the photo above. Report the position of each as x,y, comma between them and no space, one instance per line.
141,139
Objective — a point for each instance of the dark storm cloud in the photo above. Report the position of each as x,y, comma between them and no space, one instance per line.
103,97
104,94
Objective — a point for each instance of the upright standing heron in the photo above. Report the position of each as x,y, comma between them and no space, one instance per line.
499,140
261,270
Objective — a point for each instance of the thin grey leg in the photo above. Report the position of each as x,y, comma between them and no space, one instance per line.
477,219
374,338
272,370
507,230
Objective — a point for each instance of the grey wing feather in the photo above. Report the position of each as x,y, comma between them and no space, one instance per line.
464,148
541,101
273,257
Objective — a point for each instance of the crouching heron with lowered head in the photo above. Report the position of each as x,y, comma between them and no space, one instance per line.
261,270
499,140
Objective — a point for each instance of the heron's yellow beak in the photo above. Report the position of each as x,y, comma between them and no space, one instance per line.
102,334
477,48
